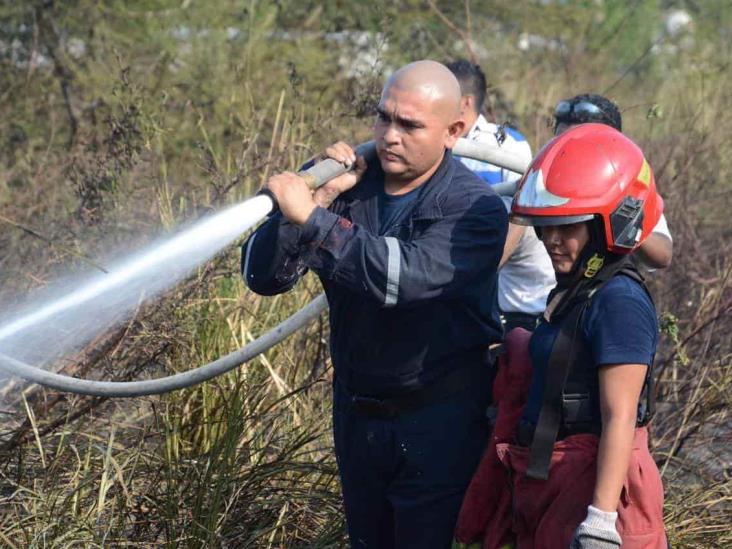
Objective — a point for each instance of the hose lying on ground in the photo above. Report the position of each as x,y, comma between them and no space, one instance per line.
317,175
170,383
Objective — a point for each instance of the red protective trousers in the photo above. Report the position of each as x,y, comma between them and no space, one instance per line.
504,508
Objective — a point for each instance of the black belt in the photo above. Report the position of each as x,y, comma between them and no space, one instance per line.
453,382
525,432
515,318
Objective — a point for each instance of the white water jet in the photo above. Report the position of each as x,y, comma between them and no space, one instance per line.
68,315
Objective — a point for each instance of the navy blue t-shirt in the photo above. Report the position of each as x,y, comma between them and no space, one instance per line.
392,207
619,327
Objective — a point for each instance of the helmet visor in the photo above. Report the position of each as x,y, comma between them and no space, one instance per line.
549,220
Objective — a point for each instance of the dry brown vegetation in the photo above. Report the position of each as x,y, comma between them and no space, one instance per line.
165,115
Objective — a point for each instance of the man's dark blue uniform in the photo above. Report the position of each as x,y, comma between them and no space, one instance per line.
411,304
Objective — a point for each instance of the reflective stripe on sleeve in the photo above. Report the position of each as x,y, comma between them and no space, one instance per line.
393,269
246,258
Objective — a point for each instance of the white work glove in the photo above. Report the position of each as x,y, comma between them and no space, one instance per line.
597,531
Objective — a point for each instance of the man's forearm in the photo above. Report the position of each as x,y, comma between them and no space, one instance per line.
271,258
452,251
656,251
324,197
515,233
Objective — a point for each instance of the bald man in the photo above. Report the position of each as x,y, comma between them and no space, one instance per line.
407,249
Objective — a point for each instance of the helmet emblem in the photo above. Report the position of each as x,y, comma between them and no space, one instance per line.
644,176
535,195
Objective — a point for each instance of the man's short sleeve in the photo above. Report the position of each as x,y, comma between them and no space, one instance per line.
662,228
621,325
515,143
487,134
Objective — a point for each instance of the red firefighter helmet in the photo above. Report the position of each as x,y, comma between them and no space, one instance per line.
591,171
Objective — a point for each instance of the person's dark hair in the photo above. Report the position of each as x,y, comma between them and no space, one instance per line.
608,112
472,80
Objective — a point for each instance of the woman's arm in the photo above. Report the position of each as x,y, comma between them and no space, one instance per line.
622,330
620,388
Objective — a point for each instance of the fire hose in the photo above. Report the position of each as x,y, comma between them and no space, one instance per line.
315,176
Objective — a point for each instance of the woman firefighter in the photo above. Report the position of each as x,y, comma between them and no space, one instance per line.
577,460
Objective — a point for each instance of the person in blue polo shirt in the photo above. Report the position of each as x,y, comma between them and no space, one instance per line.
407,249
526,276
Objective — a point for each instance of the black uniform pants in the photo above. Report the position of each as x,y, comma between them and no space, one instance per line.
404,478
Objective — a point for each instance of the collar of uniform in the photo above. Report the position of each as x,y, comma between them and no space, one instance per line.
365,194
481,125
428,205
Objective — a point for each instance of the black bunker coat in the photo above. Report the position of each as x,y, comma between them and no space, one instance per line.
406,307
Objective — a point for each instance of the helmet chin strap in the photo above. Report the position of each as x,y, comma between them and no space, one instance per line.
593,258
589,260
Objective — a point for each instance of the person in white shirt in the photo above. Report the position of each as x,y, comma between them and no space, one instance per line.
656,251
526,274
